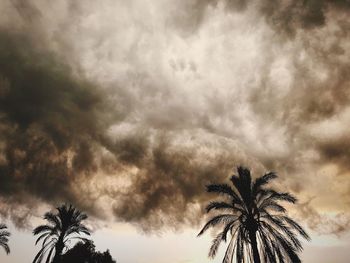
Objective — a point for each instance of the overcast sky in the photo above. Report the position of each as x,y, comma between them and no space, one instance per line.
127,109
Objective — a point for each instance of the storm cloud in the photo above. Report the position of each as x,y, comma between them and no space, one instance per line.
129,114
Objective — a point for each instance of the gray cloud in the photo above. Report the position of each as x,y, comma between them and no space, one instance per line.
129,114
337,224
285,16
49,121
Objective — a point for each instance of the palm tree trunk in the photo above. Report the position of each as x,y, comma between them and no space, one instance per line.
256,256
59,249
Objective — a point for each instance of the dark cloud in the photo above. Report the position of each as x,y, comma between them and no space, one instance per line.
289,16
53,129
50,122
318,91
335,151
27,10
285,16
169,186
125,115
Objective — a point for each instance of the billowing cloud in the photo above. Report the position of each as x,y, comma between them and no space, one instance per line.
49,122
129,114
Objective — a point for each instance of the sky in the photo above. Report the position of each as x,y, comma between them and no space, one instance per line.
127,109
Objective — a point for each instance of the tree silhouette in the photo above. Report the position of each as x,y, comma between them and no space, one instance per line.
62,227
258,227
84,252
4,238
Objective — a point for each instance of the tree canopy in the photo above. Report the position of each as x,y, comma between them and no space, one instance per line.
254,221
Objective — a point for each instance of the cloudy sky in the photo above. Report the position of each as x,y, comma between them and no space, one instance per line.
127,109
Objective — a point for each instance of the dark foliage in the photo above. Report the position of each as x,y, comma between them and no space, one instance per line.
84,252
257,225
4,238
62,228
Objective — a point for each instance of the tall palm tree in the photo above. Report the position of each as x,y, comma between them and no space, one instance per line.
63,226
256,222
4,238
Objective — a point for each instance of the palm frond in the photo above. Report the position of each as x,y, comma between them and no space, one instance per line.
42,228
215,245
41,237
282,197
268,247
4,235
296,226
53,219
61,225
224,189
284,240
228,228
273,205
229,251
256,235
263,180
39,255
225,218
239,250
77,230
218,206
5,246
289,250
48,258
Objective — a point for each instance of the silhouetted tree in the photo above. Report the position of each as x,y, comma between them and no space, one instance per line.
257,224
62,227
84,252
81,252
4,238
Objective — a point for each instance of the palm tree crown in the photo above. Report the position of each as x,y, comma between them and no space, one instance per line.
62,227
4,238
258,227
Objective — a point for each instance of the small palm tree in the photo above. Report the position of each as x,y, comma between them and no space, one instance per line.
62,227
4,238
258,227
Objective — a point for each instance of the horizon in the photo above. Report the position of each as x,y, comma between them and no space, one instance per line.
128,110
